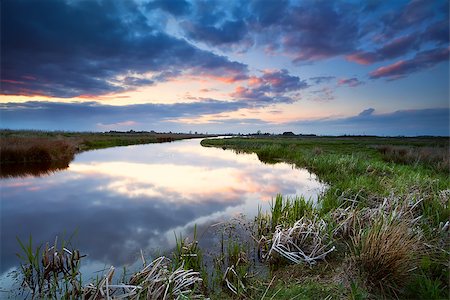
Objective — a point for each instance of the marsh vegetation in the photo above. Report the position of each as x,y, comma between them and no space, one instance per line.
36,153
380,230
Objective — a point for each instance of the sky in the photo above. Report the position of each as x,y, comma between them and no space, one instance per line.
320,67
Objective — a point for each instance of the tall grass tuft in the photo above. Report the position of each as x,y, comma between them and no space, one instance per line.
292,230
286,211
50,272
386,253
232,269
188,253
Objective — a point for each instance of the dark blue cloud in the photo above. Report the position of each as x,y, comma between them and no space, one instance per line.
397,47
217,23
227,33
412,14
422,60
93,116
271,87
67,49
398,123
71,48
366,112
401,122
437,32
321,79
174,7
89,115
365,32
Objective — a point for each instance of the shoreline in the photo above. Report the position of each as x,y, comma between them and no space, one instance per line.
39,152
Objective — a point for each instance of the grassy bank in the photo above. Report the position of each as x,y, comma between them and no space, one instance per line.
386,212
379,231
37,152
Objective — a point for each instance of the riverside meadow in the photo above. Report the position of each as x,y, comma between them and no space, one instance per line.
379,229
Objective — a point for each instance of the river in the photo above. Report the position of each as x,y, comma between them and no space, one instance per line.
116,201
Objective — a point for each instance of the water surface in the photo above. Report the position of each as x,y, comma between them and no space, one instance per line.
120,200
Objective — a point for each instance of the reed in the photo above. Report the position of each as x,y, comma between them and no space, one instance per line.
50,272
53,272
232,270
437,158
35,150
188,253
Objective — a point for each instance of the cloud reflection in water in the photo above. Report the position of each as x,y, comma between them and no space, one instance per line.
120,200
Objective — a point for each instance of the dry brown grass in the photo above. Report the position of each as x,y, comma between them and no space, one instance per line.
35,150
34,156
436,157
386,254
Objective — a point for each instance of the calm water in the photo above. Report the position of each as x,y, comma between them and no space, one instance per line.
121,200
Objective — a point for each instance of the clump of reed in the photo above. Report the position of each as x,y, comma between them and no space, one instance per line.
53,273
155,281
292,231
234,259
436,157
188,253
50,272
283,211
307,241
22,150
386,253
237,276
350,220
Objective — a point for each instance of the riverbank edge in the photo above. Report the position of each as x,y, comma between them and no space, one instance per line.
30,147
363,172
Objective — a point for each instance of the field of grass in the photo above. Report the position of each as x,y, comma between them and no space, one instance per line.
39,152
379,231
386,212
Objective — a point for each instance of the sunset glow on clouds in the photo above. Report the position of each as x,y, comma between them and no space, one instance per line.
226,66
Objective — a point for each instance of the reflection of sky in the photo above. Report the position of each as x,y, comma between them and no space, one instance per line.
120,200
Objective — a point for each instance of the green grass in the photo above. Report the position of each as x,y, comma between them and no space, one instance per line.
405,179
395,209
306,290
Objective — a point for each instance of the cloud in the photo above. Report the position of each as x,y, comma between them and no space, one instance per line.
393,49
412,14
93,115
306,31
317,30
324,94
217,23
227,33
351,82
437,32
321,79
271,87
366,112
402,68
82,47
314,30
402,122
174,7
